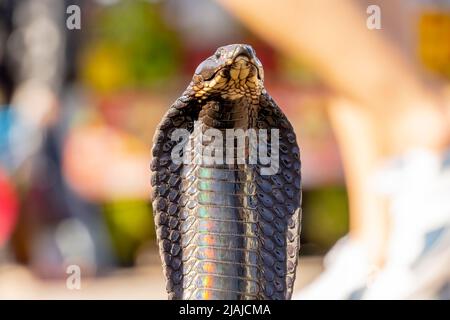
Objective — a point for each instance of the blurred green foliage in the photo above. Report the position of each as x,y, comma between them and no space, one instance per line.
130,223
325,216
133,29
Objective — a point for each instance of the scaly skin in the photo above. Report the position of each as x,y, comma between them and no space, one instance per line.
226,231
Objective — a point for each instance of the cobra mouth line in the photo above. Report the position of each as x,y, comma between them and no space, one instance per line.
227,230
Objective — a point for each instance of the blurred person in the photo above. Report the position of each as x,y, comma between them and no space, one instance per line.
393,132
56,227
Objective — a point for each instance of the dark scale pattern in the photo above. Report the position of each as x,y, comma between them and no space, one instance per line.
226,231
166,184
281,221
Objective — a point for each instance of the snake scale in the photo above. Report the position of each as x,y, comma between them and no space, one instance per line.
227,230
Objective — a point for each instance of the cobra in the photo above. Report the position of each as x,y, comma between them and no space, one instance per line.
227,231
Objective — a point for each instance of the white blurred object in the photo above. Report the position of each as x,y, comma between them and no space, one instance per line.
418,258
36,45
75,244
346,274
35,103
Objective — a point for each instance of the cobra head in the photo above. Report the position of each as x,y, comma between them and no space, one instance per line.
232,72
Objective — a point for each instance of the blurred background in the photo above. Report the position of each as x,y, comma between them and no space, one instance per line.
78,109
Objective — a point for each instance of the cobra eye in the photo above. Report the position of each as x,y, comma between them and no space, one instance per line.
218,54
207,68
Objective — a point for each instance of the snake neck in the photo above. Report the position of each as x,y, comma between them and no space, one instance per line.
221,261
229,114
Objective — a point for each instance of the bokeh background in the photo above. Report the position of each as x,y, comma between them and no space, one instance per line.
78,109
